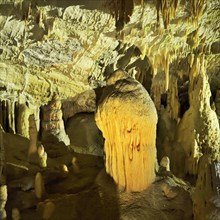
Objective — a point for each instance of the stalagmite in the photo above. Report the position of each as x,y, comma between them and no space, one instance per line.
23,120
173,105
53,124
39,186
127,118
199,123
42,155
165,163
33,135
16,214
64,169
48,210
3,200
207,189
11,116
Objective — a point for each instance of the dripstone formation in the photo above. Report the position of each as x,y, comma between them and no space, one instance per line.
94,93
52,124
127,117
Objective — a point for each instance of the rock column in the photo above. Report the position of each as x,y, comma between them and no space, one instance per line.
52,124
127,117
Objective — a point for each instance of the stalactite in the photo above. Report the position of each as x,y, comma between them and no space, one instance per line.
168,10
173,105
2,159
197,8
4,115
167,65
157,89
37,118
121,10
11,116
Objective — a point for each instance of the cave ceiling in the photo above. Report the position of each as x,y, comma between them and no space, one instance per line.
67,47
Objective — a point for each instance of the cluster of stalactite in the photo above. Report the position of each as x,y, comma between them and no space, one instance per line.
168,10
14,116
197,7
121,10
7,115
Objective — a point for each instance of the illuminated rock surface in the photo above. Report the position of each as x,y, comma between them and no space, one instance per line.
70,48
127,118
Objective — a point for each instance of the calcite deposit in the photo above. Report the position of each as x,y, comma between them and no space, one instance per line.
52,123
78,138
127,118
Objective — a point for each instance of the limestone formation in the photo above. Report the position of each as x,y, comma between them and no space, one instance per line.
85,137
157,89
3,200
33,135
75,166
15,214
52,123
64,169
83,102
165,163
48,210
127,118
39,186
199,123
42,156
206,196
7,115
23,120
69,48
173,105
217,104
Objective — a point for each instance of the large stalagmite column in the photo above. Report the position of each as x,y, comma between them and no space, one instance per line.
127,117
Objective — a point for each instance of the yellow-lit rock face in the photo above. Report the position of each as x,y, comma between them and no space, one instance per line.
127,117
206,194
